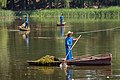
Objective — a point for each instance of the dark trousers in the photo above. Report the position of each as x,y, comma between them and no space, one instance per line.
26,25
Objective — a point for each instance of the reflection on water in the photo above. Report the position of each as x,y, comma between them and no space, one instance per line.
25,35
70,73
87,72
4,55
62,31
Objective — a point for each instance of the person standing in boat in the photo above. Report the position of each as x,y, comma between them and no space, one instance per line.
26,22
68,44
61,19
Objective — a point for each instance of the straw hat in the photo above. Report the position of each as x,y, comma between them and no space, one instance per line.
69,32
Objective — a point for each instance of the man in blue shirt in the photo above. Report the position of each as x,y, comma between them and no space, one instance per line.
26,22
61,19
68,44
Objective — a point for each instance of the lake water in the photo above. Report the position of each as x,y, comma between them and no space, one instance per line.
45,38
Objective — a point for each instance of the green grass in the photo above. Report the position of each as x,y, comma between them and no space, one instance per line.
6,15
82,13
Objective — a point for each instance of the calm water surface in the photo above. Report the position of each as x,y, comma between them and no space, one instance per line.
98,36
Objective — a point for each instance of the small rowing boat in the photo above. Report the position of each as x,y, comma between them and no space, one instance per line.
85,60
23,28
58,24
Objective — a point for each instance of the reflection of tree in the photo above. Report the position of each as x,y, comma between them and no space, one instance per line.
115,47
3,3
4,53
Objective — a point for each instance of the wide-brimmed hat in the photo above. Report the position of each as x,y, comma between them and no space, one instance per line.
69,32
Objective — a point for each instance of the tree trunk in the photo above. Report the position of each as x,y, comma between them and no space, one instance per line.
67,3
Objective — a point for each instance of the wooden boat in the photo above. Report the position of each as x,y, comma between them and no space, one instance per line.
85,60
21,28
58,24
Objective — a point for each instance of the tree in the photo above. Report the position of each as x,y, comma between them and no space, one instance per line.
3,3
67,3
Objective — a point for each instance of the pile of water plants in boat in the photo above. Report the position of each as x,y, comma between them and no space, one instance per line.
47,59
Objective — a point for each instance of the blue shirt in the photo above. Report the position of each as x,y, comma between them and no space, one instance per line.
68,45
61,17
69,42
26,20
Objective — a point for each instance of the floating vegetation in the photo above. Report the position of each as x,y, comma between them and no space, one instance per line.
47,59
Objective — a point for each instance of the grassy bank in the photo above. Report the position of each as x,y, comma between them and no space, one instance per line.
6,15
102,13
80,13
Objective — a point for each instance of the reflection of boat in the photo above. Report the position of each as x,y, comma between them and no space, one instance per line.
24,32
85,60
91,72
58,24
